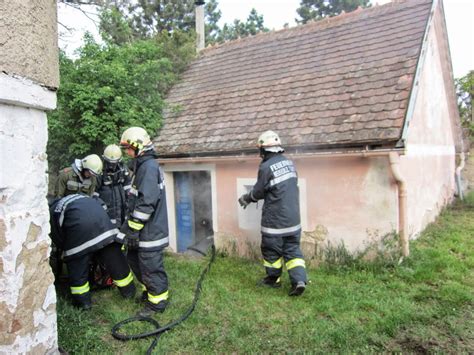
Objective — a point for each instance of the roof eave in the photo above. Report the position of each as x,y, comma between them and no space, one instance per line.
308,149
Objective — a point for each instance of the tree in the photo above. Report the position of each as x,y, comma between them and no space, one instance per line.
239,29
123,21
213,15
114,28
109,88
465,92
318,9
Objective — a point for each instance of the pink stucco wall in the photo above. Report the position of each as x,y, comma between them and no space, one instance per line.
226,176
354,198
350,199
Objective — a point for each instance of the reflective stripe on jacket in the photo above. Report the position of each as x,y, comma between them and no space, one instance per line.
79,225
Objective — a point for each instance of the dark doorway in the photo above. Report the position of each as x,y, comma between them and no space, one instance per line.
193,209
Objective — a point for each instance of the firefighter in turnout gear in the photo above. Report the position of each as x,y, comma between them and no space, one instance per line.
145,231
81,228
113,184
80,177
277,185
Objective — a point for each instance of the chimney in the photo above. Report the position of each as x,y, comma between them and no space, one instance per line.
199,24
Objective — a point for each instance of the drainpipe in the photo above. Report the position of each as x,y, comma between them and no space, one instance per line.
458,175
200,34
394,159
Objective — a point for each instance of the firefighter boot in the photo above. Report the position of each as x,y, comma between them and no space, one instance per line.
270,281
82,301
150,309
128,291
297,289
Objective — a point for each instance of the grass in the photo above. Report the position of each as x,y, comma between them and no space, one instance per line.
426,304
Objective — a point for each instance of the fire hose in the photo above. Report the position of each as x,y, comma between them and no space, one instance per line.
159,330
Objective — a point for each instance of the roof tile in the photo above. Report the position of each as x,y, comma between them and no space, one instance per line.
343,80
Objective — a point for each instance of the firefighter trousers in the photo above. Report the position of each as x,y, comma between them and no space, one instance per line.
115,263
276,250
149,268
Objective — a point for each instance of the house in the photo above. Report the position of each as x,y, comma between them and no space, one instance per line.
29,76
365,106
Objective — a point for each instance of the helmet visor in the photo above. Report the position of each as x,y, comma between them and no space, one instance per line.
90,171
124,145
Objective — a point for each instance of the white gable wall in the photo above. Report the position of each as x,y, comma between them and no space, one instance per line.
429,163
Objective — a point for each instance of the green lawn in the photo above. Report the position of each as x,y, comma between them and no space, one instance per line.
426,304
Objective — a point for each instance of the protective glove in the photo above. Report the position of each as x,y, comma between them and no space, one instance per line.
132,234
244,200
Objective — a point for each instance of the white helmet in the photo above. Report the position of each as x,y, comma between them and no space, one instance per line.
112,153
268,139
135,138
93,163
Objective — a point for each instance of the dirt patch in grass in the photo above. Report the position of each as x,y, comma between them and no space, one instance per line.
449,335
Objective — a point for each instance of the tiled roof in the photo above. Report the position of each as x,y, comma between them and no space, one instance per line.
339,81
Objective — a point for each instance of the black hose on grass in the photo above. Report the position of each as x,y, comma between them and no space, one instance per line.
161,329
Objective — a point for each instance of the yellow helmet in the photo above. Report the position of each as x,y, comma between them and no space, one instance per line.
268,139
112,153
135,138
93,163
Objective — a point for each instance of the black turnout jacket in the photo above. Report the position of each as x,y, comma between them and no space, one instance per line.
80,225
113,185
147,202
277,185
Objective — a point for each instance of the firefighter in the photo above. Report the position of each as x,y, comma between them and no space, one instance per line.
80,177
277,185
81,228
113,184
145,231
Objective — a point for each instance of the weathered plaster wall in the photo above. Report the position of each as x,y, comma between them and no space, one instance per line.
351,200
429,164
28,40
27,297
354,198
28,64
